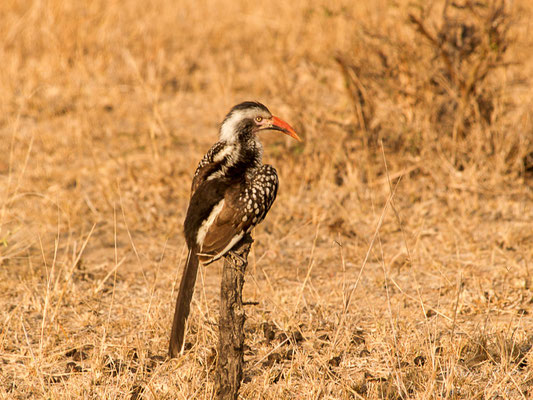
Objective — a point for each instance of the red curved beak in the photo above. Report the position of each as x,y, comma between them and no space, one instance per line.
280,125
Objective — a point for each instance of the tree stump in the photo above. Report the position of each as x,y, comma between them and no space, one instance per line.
231,322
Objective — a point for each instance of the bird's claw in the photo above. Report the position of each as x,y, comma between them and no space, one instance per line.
237,256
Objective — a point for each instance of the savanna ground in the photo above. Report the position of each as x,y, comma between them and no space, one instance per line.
396,261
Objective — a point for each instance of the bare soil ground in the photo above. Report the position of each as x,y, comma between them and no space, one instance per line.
396,261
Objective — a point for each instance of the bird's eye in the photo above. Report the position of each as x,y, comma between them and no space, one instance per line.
258,119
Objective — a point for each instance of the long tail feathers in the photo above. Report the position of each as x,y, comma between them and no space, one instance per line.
183,304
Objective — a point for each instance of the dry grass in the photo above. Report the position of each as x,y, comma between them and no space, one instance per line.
417,287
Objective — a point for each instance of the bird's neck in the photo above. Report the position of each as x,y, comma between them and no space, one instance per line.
243,158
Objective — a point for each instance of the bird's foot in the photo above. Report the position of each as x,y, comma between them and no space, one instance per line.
237,256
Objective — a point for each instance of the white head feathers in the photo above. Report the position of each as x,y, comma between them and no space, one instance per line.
248,110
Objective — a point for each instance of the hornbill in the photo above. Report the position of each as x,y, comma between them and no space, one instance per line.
232,191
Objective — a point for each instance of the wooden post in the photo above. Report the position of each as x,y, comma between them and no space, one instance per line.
231,322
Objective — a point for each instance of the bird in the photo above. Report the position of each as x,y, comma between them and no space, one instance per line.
231,192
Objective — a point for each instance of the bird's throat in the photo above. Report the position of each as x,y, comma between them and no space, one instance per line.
239,160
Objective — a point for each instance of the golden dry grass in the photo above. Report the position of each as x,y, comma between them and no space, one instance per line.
413,288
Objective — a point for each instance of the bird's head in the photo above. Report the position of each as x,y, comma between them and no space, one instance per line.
249,118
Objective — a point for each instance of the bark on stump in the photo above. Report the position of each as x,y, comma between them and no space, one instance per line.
231,323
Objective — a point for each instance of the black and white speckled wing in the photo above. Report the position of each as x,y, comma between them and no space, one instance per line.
207,165
242,209
210,155
259,195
